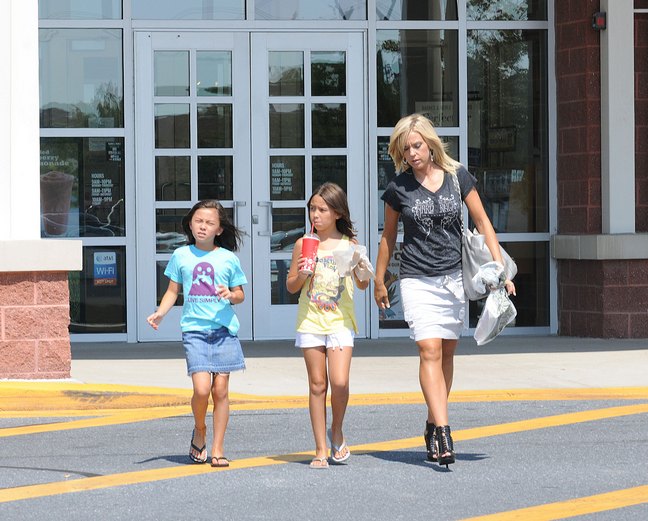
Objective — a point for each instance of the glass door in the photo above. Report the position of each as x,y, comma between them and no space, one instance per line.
256,121
192,143
308,127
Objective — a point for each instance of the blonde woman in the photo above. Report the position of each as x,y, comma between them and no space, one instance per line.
425,198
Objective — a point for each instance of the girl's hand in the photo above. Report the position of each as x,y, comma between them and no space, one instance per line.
154,320
224,292
380,295
510,287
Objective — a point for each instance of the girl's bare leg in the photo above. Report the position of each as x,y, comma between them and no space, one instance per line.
315,358
339,366
220,396
199,403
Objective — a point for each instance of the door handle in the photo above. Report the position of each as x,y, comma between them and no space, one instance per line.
268,231
235,206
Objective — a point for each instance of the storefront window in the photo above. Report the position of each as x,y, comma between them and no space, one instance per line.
507,126
81,78
419,10
82,187
79,9
98,293
506,10
417,72
310,9
188,9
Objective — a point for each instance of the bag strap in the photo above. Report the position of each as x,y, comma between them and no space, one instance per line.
455,182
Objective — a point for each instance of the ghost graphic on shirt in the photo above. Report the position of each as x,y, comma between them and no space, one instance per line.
202,281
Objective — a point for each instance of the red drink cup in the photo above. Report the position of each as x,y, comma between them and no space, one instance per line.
310,243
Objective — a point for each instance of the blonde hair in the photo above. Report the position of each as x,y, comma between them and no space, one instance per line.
422,125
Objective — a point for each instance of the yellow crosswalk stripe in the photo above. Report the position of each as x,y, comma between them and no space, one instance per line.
148,476
573,507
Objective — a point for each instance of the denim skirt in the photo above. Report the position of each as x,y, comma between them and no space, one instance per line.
212,351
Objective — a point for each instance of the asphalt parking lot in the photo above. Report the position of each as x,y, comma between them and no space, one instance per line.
83,449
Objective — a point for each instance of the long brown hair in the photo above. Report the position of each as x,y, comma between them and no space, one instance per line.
336,199
231,237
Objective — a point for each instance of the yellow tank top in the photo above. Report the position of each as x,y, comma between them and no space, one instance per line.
326,299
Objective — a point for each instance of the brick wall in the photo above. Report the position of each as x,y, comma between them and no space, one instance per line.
579,117
641,117
34,319
608,298
604,299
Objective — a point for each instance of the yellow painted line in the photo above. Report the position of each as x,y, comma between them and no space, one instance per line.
48,398
573,507
142,476
147,476
120,418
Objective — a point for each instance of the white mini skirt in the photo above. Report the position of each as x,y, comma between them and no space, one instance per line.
434,307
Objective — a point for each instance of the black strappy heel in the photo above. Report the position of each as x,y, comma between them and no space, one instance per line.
446,446
431,441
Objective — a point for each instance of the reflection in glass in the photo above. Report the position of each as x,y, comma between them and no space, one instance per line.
386,172
215,177
214,125
82,187
81,78
168,229
507,126
328,73
329,125
171,73
79,9
286,73
278,292
417,72
286,125
310,10
287,178
214,73
98,292
329,168
171,125
188,10
162,283
172,178
419,10
287,227
532,282
509,10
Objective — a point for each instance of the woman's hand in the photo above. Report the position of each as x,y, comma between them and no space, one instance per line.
510,287
380,295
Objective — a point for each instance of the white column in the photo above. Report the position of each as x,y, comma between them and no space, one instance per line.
617,118
21,248
19,124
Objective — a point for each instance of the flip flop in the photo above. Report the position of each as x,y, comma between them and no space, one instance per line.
220,461
319,463
339,450
199,450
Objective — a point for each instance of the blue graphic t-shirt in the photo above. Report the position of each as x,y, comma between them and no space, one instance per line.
200,272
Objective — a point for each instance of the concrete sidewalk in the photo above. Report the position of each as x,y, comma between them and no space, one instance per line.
384,365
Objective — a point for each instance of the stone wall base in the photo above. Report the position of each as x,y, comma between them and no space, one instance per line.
34,320
603,298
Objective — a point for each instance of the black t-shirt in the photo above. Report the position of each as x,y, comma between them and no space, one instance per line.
431,223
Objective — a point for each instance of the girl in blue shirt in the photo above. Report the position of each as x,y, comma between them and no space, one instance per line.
211,280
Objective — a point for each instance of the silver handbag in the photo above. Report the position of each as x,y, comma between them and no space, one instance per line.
474,254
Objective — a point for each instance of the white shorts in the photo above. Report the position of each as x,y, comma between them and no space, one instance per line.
343,338
434,307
